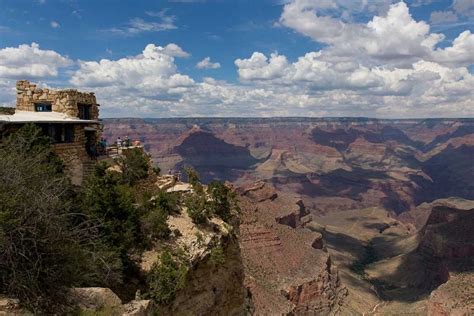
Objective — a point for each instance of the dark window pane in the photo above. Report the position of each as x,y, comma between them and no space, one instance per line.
69,134
59,133
43,107
57,130
84,111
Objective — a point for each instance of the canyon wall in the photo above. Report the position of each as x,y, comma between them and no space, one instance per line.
334,164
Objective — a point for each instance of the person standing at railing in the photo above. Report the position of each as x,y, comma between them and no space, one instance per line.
103,142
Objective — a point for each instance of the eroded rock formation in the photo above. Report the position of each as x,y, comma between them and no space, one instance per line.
287,269
333,163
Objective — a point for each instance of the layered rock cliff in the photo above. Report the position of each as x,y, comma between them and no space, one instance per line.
213,286
438,271
287,268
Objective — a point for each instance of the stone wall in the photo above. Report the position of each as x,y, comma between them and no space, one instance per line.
74,155
64,101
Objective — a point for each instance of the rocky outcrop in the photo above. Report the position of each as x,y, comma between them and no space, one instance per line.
104,301
448,233
317,295
439,264
318,242
292,217
446,246
258,191
94,298
139,308
211,287
284,278
258,237
455,297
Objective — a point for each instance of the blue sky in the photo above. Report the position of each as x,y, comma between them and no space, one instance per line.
224,30
82,32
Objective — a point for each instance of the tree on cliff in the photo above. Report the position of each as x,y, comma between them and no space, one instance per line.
222,200
45,245
135,166
106,199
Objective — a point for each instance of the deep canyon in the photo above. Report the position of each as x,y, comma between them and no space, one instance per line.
338,215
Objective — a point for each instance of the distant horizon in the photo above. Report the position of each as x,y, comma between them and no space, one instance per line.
290,117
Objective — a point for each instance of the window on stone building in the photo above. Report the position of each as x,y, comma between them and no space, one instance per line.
43,107
59,133
69,133
84,111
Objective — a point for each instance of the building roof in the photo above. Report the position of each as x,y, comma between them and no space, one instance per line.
41,117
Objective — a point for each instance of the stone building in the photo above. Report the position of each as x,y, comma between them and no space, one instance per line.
69,117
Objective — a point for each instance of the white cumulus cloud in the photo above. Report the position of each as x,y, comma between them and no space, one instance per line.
207,64
391,66
392,37
152,70
30,61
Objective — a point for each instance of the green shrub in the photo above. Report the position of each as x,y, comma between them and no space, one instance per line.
154,224
193,175
222,200
155,210
197,208
166,278
199,238
46,245
193,179
217,256
135,165
112,203
168,202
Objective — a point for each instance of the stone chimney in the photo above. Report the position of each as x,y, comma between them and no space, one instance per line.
24,91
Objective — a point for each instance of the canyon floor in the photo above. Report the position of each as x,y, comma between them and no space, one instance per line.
339,216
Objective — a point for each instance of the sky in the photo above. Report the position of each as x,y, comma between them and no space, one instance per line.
244,58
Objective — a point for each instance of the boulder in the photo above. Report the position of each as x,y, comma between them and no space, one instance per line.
9,306
95,298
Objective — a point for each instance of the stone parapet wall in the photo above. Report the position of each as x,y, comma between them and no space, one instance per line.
64,101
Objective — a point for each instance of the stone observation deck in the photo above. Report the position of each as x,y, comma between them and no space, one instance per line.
69,117
72,103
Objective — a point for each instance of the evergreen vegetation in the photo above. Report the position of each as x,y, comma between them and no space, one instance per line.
46,245
217,200
222,200
166,278
197,208
134,165
54,236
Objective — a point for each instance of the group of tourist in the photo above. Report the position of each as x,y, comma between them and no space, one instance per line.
126,142
100,148
123,143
